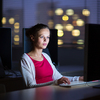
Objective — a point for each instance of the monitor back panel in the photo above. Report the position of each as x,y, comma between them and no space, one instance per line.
92,52
6,47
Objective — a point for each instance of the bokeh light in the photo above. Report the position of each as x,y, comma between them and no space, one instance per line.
16,25
69,27
75,32
85,12
60,42
75,16
16,30
16,38
80,41
4,20
80,22
60,33
16,43
74,23
65,18
59,26
59,11
11,21
50,23
70,12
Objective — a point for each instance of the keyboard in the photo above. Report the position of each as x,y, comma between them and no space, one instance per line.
73,83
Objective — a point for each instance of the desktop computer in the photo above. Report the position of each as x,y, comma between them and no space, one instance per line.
91,55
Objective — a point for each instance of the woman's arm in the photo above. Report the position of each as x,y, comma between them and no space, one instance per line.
28,73
63,80
68,79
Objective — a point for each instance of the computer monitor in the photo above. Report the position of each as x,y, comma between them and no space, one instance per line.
52,48
92,52
6,47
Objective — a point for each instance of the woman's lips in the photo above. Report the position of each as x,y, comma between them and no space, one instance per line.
44,44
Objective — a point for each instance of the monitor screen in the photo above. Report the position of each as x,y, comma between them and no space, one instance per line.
92,52
6,47
52,48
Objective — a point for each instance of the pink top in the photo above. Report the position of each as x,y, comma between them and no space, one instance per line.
43,70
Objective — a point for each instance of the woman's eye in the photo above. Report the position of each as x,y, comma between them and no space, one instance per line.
48,37
41,37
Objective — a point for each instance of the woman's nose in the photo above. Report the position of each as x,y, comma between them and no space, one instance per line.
45,39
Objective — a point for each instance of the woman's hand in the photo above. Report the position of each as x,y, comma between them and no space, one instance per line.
81,78
63,80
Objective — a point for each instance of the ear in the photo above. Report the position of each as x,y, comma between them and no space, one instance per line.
32,37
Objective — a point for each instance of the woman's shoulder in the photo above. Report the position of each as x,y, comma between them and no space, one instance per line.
25,56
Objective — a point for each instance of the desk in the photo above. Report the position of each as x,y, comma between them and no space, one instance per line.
53,92
12,84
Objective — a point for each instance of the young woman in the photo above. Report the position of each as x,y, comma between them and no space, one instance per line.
36,66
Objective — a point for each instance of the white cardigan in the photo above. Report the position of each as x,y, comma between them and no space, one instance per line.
28,71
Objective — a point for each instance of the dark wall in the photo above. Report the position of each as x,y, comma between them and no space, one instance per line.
17,53
0,13
70,56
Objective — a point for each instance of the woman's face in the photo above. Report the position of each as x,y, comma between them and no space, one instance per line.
42,39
